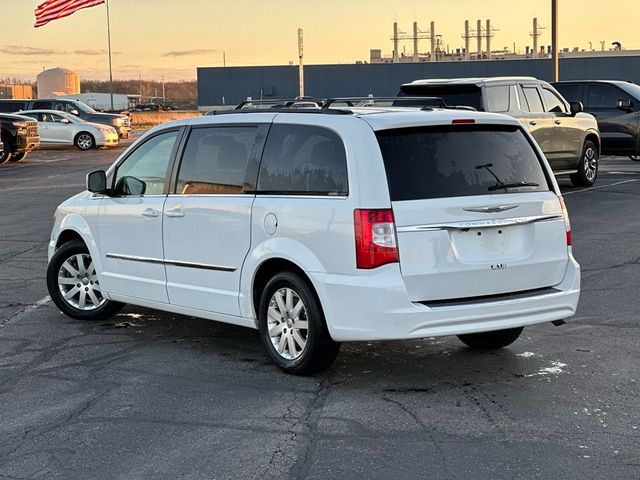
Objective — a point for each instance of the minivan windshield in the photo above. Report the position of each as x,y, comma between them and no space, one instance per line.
459,160
631,88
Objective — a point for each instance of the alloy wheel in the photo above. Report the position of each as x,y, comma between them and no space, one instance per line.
288,323
590,163
85,142
78,283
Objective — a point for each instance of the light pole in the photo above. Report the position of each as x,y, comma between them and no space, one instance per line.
554,40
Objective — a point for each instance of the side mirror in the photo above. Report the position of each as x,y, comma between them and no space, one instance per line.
576,108
624,105
65,120
97,181
75,112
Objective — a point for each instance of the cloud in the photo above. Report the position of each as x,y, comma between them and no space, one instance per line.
185,53
94,52
23,50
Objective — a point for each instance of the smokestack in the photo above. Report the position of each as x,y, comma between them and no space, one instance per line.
488,32
466,40
479,39
432,31
415,41
396,57
535,37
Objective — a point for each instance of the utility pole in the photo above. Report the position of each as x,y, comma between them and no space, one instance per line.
301,64
432,35
164,98
140,75
554,41
109,41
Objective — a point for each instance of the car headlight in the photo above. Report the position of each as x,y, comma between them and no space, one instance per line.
117,122
20,124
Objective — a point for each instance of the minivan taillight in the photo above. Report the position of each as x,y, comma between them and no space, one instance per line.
567,223
375,238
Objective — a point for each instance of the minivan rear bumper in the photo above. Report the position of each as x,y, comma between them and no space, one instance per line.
375,306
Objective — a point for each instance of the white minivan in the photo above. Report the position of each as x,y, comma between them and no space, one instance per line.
323,226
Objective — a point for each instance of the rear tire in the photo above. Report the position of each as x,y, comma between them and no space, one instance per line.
587,167
18,157
85,141
491,340
73,284
292,326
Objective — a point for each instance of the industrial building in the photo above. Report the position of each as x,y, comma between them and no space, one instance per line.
16,90
229,85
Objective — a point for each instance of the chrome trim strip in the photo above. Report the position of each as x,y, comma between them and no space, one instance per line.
176,263
497,208
204,266
497,222
134,258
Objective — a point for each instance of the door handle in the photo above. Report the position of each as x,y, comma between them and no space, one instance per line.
532,123
557,122
174,213
150,212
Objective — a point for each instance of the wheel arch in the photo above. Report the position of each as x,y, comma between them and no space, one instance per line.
266,270
593,137
72,227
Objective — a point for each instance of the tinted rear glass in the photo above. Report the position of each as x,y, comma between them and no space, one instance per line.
453,95
459,160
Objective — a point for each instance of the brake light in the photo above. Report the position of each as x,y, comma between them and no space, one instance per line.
463,120
375,238
567,223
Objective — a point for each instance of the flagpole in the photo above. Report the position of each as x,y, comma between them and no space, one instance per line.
109,39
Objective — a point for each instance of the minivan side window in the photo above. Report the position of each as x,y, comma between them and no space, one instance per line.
553,103
215,160
303,160
532,96
498,98
604,96
144,172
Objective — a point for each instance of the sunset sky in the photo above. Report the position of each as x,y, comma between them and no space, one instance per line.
172,37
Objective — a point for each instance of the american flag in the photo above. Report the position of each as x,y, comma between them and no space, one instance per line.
54,9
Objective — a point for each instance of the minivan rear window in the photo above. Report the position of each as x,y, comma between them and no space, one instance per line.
459,160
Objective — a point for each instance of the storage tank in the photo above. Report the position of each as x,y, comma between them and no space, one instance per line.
57,81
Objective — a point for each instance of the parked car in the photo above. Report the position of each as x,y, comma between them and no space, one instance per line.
60,128
19,136
616,106
324,226
568,137
121,123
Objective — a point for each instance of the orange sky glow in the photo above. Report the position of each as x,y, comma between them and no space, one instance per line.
170,38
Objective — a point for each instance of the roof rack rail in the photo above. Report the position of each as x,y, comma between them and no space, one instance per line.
279,109
424,102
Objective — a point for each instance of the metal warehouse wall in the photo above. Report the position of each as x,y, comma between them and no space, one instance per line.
234,84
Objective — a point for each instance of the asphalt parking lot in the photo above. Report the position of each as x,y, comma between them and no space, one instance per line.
149,395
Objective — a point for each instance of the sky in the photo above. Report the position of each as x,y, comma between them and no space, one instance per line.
170,38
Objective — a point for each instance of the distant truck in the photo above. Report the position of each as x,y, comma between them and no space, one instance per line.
18,136
101,101
121,123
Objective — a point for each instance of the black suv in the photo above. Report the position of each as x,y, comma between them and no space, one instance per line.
121,123
18,136
616,106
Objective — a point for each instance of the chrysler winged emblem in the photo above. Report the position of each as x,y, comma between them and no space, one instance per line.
497,208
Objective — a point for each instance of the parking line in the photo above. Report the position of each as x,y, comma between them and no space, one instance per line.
21,314
590,189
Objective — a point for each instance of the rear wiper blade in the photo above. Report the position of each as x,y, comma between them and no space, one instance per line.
500,186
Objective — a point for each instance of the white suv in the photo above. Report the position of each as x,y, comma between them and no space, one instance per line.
323,226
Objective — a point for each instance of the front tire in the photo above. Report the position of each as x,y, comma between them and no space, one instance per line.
5,153
85,141
587,167
18,157
73,284
292,326
491,340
